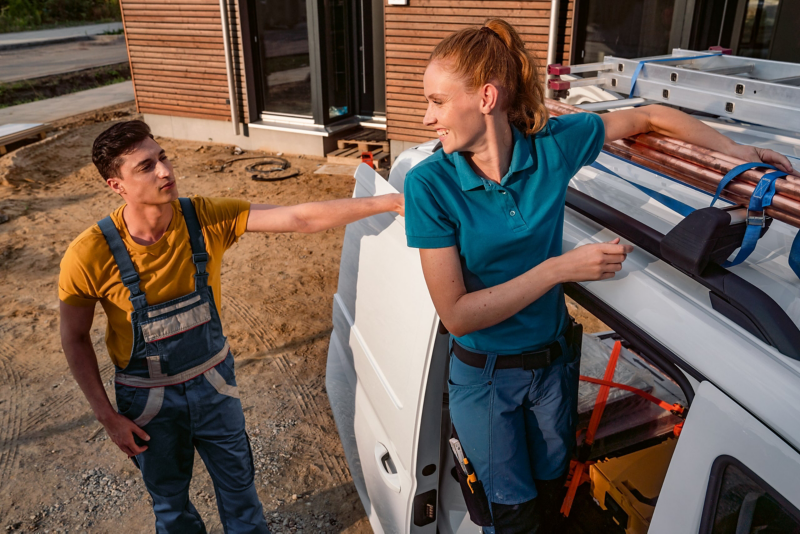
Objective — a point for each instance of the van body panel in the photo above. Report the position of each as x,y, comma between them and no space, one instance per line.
384,332
717,426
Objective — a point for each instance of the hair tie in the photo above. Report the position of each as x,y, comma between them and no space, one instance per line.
487,29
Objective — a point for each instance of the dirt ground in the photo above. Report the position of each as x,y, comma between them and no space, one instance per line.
58,470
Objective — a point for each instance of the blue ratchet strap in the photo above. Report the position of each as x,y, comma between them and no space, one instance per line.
641,64
736,171
794,255
675,205
759,200
651,171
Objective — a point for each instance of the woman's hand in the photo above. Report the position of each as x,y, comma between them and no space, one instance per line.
765,155
597,261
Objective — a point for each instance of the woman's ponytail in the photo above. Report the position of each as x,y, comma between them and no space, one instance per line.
496,52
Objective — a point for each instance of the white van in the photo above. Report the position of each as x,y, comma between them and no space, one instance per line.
723,343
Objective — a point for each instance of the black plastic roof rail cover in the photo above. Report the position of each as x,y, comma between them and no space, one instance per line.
756,311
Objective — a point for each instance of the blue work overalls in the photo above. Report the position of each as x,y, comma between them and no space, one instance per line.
179,386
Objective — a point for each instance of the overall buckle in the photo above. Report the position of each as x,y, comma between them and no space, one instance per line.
200,259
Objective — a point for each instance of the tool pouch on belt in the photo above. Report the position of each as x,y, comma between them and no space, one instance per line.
475,496
575,339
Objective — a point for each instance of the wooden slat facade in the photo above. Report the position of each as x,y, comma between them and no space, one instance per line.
413,31
178,59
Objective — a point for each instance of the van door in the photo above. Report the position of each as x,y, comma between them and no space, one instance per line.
384,329
729,473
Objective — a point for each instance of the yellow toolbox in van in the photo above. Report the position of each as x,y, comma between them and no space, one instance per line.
628,486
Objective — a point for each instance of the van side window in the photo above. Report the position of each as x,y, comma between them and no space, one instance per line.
745,504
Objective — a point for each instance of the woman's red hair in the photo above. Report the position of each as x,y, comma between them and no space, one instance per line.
498,56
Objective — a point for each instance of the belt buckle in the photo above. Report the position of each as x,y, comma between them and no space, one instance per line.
533,360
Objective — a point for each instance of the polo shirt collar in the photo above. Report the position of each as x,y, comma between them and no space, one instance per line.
521,159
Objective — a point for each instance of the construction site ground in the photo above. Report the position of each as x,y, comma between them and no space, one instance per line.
59,472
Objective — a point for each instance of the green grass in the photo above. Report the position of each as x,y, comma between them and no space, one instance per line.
11,26
22,92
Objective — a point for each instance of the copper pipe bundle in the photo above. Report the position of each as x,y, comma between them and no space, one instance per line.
698,167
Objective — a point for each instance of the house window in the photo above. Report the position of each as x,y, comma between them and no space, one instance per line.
631,29
759,22
282,37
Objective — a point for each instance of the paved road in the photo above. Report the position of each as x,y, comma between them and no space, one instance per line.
57,35
27,63
60,107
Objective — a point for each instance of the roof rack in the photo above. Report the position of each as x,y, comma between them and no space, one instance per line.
730,295
751,90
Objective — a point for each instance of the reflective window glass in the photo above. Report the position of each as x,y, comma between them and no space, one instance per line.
283,48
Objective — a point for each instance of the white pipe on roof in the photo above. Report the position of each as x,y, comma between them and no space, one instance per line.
226,41
552,42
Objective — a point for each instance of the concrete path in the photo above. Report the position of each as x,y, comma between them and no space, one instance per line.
27,63
61,107
59,35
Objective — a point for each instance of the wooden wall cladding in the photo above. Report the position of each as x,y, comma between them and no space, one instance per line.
413,31
178,59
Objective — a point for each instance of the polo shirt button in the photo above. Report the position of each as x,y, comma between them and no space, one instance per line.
513,213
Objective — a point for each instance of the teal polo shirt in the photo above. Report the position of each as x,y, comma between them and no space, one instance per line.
503,230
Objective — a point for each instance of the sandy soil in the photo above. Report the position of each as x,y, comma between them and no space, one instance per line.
58,470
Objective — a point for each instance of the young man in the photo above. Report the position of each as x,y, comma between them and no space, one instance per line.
154,266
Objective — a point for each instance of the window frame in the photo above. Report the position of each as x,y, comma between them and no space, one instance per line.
715,487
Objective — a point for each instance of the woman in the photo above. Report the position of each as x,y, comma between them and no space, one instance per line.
487,213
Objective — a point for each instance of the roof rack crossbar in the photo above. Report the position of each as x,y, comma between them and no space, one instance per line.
732,296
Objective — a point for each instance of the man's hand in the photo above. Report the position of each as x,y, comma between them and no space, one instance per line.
598,261
121,430
765,155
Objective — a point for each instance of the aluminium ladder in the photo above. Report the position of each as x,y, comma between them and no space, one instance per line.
756,91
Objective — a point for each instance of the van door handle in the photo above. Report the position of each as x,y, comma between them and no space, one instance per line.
386,467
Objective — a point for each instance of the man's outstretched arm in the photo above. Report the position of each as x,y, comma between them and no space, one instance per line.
318,216
76,325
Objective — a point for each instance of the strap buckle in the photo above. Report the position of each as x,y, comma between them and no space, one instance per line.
131,280
759,219
200,257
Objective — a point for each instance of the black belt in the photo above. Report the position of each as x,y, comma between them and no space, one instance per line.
532,360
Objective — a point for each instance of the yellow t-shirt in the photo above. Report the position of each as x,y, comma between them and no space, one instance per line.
89,273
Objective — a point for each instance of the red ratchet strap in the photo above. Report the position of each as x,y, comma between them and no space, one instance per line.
594,422
579,474
676,408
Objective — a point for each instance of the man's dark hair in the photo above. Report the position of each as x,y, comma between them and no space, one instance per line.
117,141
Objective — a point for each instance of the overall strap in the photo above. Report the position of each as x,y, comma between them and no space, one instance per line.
126,269
199,254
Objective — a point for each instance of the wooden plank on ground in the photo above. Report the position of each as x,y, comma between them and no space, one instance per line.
11,133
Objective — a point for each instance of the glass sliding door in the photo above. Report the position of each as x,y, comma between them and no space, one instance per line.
339,52
283,49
